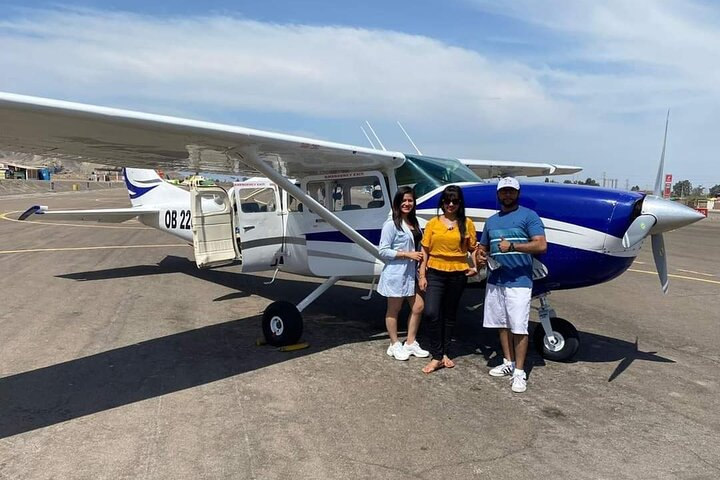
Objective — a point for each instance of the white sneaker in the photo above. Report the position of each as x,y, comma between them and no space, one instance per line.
519,382
397,351
502,370
415,349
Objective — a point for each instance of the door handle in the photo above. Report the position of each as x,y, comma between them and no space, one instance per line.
249,227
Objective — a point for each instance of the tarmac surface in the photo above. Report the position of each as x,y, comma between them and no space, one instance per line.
120,359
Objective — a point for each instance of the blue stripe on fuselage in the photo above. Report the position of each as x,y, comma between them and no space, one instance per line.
567,267
373,235
601,209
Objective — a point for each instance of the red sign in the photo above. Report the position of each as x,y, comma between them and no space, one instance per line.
668,185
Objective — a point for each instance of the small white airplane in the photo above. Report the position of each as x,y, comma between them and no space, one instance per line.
318,207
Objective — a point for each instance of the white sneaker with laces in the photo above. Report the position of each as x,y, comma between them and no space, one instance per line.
397,351
519,382
415,349
502,370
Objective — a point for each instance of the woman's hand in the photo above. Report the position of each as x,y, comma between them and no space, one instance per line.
417,256
422,283
471,272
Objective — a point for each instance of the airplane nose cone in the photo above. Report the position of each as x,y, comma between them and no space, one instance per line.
670,215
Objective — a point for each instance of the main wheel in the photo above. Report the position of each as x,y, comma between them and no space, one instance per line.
567,340
282,324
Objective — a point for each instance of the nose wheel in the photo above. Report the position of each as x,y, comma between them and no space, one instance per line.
555,338
562,345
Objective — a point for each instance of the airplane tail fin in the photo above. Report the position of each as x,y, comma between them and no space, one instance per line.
145,187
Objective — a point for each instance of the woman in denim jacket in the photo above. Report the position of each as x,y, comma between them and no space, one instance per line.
399,240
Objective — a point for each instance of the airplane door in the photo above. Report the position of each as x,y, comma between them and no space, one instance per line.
212,226
361,200
260,225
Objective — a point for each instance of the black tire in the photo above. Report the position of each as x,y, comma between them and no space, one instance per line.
282,324
568,345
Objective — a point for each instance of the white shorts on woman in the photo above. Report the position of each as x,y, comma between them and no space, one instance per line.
507,307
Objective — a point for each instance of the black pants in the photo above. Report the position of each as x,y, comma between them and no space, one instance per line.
442,298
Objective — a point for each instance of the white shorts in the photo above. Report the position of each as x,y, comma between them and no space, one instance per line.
507,307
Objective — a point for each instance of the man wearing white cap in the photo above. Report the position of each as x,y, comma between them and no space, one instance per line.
509,240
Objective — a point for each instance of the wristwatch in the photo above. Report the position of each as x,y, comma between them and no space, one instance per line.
512,247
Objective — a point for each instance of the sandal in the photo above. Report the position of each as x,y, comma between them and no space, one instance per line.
433,366
447,363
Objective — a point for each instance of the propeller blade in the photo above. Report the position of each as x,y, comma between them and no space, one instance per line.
658,246
638,230
658,190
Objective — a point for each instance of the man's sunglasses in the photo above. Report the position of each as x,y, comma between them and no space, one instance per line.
451,201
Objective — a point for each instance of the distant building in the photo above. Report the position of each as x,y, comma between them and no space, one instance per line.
24,172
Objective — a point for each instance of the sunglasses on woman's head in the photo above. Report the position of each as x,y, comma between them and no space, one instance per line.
451,201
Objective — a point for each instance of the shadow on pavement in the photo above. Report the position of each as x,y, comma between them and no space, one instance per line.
68,390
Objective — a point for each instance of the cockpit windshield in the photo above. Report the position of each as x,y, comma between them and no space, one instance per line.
427,173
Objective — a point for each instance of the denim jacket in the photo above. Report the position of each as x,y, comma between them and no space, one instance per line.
398,276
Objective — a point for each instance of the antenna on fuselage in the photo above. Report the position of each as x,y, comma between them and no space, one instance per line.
375,135
368,137
408,137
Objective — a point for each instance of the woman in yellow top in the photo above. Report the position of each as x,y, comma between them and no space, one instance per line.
444,272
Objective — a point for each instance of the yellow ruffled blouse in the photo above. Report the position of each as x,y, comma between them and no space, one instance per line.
443,245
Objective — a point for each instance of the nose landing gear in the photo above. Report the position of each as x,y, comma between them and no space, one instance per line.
555,338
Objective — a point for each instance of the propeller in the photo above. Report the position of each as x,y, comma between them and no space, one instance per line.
658,243
658,247
658,216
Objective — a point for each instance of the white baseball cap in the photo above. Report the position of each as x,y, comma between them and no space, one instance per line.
508,182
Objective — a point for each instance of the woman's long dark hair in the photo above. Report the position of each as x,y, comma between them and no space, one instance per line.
397,211
453,192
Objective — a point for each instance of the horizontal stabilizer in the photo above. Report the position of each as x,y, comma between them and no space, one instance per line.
104,215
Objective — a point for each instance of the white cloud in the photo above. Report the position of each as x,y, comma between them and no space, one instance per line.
675,44
543,106
621,64
238,63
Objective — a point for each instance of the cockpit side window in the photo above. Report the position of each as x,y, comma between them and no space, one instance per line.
257,200
351,191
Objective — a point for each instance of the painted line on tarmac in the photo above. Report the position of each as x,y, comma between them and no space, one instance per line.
696,273
107,247
3,216
677,276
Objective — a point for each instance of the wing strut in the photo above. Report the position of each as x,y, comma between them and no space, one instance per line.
309,202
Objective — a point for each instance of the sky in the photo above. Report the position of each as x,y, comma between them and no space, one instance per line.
580,82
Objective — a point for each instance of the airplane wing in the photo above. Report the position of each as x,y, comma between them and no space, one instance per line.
500,168
132,139
104,215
